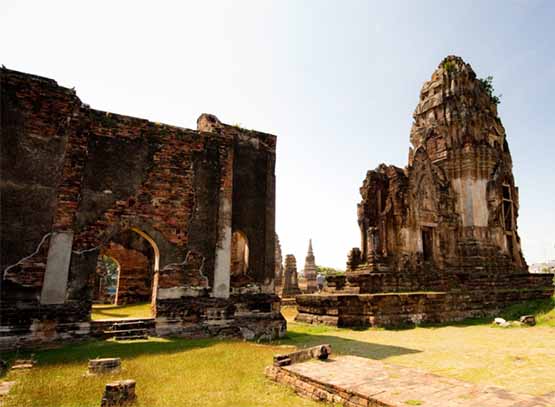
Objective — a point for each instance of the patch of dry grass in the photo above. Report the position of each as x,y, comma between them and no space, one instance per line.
169,372
139,310
180,372
519,359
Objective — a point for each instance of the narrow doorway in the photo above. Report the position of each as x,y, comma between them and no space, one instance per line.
427,243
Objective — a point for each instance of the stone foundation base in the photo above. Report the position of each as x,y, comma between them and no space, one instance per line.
415,308
247,316
353,381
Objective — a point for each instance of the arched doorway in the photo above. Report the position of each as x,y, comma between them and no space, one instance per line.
137,258
239,257
105,280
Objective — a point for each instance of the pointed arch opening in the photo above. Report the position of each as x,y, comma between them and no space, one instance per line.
105,283
137,257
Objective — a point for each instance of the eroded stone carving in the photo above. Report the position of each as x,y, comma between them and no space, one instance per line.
291,281
447,222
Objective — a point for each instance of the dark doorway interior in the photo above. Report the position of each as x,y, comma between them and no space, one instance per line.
427,243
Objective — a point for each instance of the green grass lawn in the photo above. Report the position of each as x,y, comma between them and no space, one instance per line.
211,372
139,310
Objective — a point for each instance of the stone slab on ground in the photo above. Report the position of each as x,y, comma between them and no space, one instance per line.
361,382
104,365
20,364
5,388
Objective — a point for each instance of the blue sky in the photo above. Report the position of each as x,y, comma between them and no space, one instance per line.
337,82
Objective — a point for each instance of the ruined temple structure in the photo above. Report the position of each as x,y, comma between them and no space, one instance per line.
187,214
278,280
290,278
439,238
310,270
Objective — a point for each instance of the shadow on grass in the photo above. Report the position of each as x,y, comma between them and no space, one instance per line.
346,346
81,352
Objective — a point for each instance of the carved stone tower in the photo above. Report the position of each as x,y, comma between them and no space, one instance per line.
455,206
439,238
291,282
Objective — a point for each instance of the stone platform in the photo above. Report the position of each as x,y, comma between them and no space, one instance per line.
463,297
360,382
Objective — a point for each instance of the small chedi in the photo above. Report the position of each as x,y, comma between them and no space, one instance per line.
290,278
439,238
310,270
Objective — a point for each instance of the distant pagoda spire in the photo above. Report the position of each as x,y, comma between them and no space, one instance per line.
310,270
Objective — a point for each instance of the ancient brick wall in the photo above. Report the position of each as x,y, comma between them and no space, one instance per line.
136,273
75,178
37,120
253,199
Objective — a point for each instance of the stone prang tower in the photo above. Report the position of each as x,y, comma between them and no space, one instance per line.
291,282
439,237
454,207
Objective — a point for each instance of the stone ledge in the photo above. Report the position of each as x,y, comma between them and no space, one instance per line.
359,382
320,352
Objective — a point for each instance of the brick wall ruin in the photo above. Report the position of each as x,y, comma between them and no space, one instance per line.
445,223
75,178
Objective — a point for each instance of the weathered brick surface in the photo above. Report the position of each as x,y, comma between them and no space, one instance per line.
290,277
360,382
485,297
135,274
447,222
67,167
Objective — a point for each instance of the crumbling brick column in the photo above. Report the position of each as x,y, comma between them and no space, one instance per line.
120,393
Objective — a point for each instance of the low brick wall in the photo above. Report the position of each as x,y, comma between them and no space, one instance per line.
254,316
247,316
314,390
99,328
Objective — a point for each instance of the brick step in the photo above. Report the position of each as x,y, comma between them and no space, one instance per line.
124,331
128,332
130,337
128,325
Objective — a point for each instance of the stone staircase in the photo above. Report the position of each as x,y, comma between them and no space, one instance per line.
123,329
127,330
